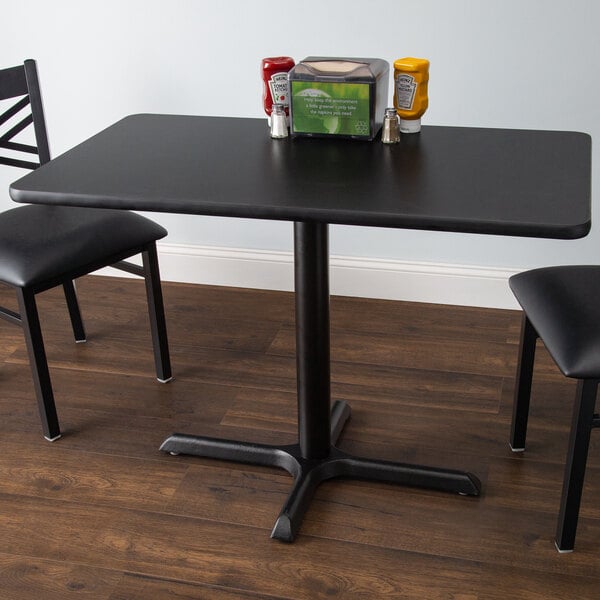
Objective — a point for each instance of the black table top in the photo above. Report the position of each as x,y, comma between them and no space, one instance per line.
492,181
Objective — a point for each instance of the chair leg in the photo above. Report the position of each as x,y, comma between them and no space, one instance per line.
74,312
156,312
581,427
523,385
39,365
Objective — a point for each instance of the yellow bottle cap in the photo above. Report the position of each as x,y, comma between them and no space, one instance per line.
410,63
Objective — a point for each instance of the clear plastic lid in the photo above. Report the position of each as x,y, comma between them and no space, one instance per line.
339,68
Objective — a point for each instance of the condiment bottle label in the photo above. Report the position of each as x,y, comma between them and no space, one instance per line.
406,87
278,84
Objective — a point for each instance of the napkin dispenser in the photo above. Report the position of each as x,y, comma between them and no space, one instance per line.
342,97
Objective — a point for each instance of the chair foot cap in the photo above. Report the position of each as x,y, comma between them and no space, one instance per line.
562,551
52,439
517,449
164,380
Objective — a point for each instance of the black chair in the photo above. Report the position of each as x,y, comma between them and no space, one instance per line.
42,247
561,306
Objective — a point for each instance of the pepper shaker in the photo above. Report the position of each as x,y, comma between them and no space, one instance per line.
390,133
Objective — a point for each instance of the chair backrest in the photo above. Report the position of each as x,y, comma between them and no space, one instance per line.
22,82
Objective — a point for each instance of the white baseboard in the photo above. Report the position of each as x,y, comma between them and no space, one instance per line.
349,276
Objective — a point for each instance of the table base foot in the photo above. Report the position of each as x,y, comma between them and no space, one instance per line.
308,473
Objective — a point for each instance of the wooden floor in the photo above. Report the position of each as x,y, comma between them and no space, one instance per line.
102,514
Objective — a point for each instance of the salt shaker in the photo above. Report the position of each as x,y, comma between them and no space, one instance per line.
279,127
390,133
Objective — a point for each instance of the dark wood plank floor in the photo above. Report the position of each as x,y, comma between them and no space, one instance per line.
102,514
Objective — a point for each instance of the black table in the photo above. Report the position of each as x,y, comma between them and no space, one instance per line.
486,181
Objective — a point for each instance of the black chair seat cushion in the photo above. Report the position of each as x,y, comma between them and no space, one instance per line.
563,305
40,243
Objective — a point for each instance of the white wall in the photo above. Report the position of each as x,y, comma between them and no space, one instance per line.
530,64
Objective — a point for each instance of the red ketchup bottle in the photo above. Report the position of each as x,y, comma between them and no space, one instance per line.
275,83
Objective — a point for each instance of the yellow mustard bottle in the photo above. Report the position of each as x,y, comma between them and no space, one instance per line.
411,76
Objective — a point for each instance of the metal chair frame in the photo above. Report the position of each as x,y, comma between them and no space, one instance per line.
22,82
584,419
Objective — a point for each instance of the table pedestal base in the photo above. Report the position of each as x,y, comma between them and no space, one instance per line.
309,473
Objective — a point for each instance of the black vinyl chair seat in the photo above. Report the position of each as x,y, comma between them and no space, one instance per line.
563,305
41,243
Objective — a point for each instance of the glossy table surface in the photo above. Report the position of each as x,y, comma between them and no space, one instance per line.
492,181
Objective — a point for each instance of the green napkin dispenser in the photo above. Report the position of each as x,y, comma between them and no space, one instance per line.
342,97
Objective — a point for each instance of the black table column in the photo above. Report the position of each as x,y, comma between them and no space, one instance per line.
311,261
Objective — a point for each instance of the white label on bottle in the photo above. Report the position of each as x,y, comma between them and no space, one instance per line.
406,87
278,84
